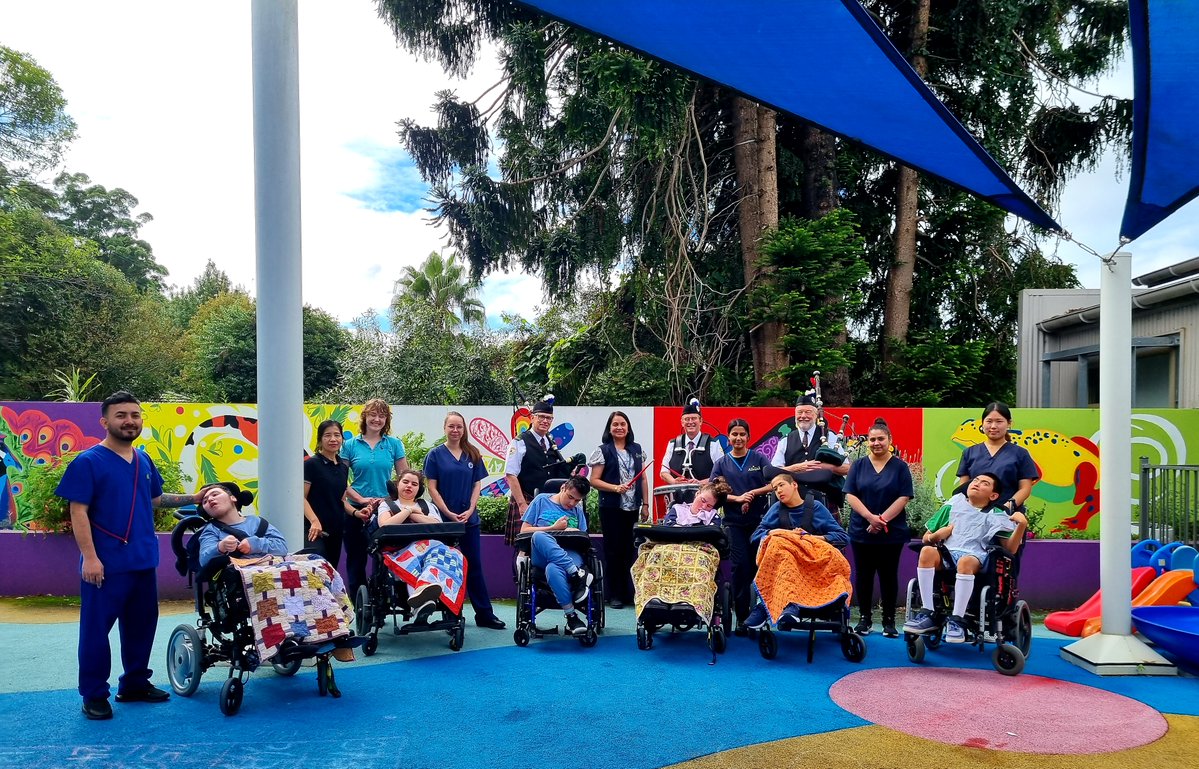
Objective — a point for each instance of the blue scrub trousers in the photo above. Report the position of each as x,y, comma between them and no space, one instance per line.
476,584
557,562
129,599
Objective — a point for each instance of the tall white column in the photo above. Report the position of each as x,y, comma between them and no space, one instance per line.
1115,651
276,78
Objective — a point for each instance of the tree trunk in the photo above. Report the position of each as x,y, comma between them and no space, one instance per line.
897,312
755,157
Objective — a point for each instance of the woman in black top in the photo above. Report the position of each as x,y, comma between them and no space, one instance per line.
326,477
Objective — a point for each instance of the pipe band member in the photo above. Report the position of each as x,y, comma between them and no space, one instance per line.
691,455
532,456
796,452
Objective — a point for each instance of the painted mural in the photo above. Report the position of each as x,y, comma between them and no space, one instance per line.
211,441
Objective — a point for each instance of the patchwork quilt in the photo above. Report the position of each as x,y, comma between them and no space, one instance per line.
676,573
429,561
294,596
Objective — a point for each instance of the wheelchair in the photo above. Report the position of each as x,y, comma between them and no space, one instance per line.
385,596
996,614
681,617
534,594
223,633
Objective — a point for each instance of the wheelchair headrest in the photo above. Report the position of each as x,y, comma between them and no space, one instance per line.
552,486
187,553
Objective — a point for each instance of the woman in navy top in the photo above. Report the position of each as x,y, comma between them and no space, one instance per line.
1012,464
454,471
745,473
878,490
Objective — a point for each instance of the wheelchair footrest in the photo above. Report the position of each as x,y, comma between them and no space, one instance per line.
539,632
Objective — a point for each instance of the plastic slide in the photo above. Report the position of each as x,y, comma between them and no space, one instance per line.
1166,590
1071,622
1174,629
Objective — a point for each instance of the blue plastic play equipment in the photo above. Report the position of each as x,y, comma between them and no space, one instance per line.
1183,558
1175,629
1142,552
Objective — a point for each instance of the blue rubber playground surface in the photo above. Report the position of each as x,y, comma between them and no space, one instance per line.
417,704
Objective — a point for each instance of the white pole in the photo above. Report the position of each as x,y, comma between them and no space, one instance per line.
276,78
1115,442
1115,651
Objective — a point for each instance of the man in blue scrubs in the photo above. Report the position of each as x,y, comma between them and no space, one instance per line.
113,489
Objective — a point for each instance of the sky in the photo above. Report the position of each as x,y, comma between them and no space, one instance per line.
162,98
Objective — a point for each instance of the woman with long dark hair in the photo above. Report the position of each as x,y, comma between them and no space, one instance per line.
878,490
616,472
454,471
745,473
326,478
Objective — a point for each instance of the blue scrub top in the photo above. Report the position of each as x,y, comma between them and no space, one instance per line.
456,478
102,479
878,491
742,475
372,468
1011,463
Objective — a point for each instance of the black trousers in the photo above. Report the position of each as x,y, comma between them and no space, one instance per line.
744,557
881,558
354,541
329,546
619,553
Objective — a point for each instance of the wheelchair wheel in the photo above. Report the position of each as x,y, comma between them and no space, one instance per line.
287,669
520,637
185,660
726,607
645,640
589,638
717,640
768,645
853,647
362,611
1022,638
371,646
458,635
1008,659
915,644
231,693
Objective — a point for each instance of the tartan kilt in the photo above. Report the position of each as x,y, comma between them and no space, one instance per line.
512,525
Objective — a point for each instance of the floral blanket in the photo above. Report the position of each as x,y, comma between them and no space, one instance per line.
796,568
294,596
676,573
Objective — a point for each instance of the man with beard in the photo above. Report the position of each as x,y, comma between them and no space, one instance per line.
113,489
796,452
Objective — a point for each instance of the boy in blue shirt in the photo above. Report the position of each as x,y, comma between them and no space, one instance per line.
569,581
966,524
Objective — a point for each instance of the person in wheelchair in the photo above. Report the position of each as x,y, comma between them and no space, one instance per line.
972,522
230,532
431,571
809,515
704,510
569,581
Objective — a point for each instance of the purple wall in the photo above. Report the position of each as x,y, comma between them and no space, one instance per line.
1055,574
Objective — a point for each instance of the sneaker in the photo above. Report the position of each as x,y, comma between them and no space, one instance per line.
954,633
148,694
580,587
97,709
920,624
575,625
758,618
424,596
889,630
863,627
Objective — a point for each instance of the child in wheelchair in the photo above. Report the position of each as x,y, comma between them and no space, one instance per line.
959,539
569,581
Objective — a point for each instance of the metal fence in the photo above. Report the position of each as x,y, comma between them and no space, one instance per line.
1169,503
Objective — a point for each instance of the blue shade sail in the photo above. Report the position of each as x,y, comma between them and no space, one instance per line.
862,89
1165,139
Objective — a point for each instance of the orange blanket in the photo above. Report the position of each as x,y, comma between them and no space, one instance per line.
797,568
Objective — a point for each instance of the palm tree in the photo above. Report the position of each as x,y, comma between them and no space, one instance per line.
441,284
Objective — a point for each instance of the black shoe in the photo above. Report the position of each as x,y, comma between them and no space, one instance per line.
889,630
97,710
491,623
575,625
580,587
616,603
863,627
149,694
741,630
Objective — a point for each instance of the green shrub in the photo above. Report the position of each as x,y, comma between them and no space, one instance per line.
926,502
493,514
415,449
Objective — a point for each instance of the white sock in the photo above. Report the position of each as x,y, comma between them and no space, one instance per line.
925,578
962,589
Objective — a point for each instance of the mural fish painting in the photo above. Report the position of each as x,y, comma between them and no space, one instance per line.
223,448
1069,467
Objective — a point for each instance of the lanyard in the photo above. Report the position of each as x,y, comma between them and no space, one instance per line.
128,527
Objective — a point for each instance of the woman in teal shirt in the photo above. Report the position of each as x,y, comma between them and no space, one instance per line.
373,456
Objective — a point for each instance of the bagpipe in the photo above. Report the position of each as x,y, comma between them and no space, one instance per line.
831,450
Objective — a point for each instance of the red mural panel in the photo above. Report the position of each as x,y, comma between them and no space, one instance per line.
768,424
